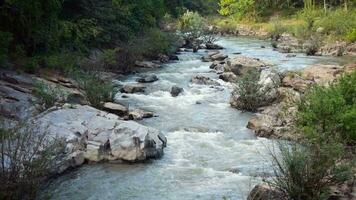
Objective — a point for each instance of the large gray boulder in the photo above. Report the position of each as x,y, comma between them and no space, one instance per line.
242,64
95,135
175,91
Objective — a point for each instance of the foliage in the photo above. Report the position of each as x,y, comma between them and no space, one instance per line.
251,94
338,22
27,158
48,94
5,40
351,35
306,172
192,24
152,43
96,90
276,30
328,113
238,8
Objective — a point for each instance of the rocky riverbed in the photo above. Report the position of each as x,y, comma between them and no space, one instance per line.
184,109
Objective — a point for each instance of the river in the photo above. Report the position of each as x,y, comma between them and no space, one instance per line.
210,152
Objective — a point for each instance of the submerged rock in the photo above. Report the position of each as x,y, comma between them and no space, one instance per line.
148,78
139,114
175,91
213,46
99,136
203,80
133,88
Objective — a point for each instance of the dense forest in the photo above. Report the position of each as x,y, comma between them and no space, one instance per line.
53,30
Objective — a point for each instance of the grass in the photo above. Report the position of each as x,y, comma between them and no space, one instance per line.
336,24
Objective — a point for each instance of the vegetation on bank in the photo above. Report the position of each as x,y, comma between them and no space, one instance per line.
326,117
27,158
332,20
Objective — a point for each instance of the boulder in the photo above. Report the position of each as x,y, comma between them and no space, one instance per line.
333,49
206,58
76,97
228,77
242,64
213,46
99,136
147,64
351,49
173,57
163,58
147,78
218,56
139,114
322,74
115,108
175,91
296,82
203,80
133,88
265,192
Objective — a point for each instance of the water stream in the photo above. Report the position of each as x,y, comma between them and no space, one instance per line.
210,153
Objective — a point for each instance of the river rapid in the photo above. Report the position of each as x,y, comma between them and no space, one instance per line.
210,153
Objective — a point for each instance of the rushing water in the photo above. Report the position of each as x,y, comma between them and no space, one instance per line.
206,140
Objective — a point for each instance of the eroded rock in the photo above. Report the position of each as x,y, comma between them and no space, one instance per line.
133,88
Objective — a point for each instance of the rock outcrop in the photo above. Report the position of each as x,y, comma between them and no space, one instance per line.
203,80
213,46
242,64
95,135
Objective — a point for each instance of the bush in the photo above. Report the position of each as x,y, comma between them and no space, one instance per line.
27,159
351,35
328,113
192,27
5,40
276,30
97,90
154,42
250,94
48,95
337,22
307,172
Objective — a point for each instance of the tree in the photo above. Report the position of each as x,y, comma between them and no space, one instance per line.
238,8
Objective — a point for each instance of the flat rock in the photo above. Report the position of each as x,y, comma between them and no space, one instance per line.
115,108
99,135
147,78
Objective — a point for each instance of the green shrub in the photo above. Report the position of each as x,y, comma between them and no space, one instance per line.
27,159
97,90
192,26
306,172
5,40
328,113
154,42
351,35
249,94
48,95
337,22
276,30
